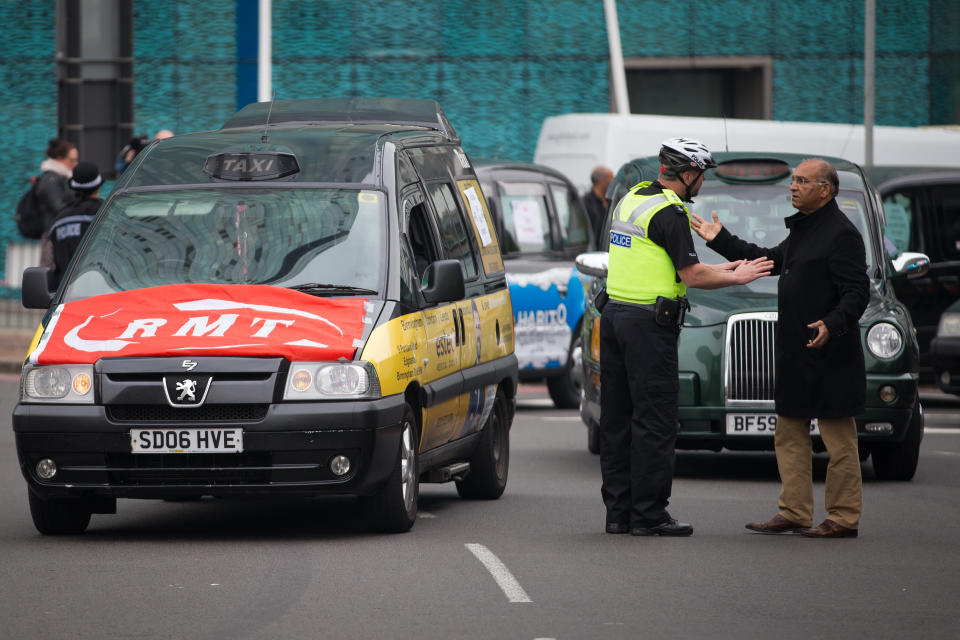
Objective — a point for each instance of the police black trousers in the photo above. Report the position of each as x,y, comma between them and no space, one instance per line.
638,414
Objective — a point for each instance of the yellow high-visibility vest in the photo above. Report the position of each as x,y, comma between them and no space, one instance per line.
639,269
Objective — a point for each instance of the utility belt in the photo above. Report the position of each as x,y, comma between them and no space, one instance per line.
668,312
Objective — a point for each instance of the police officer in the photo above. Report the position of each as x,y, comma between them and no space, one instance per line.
652,262
73,220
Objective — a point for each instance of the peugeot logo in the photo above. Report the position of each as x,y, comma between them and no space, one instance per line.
185,393
189,365
187,390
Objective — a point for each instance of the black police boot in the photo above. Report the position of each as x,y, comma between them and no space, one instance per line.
668,527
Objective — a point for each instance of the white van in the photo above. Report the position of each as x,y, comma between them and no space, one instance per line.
575,143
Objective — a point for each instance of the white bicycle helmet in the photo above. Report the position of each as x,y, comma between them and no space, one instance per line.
680,154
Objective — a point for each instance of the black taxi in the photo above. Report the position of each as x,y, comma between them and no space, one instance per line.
309,300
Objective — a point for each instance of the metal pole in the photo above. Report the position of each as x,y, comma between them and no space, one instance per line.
620,100
264,53
869,23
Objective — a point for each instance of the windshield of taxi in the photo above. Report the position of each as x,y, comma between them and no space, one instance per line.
756,214
282,237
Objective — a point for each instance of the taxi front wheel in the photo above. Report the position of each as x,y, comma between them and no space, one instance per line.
59,516
491,461
394,508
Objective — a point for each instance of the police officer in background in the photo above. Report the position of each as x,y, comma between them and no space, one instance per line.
652,262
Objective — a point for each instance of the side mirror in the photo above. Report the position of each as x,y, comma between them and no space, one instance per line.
912,265
593,263
36,291
443,281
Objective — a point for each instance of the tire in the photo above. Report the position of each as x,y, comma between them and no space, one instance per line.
593,438
63,516
898,461
394,508
490,463
565,389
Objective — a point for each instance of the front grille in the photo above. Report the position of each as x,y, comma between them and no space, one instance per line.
214,413
126,469
749,358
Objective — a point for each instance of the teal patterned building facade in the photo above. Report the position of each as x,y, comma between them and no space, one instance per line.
498,67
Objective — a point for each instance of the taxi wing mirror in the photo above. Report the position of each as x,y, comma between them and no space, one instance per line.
593,263
912,265
443,282
36,291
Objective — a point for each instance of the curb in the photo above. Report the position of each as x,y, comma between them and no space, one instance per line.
11,366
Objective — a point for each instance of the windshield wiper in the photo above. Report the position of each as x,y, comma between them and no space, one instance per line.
323,288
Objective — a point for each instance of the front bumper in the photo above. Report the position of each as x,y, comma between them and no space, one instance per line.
287,449
704,426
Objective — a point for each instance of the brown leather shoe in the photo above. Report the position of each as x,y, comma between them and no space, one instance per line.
829,529
778,524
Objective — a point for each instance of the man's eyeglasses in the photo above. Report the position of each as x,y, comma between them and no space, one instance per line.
800,180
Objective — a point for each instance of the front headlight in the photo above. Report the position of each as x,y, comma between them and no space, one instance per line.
65,384
331,381
949,326
884,340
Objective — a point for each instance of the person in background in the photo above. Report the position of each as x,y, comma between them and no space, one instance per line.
72,222
53,186
820,370
595,200
129,152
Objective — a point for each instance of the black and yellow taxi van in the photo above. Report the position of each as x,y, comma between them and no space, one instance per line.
309,300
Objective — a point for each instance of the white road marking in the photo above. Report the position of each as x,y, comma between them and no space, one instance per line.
505,580
561,418
947,453
425,514
534,402
953,431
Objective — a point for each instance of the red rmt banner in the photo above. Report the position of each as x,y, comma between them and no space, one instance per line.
202,319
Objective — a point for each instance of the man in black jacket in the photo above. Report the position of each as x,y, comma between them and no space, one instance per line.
595,200
820,372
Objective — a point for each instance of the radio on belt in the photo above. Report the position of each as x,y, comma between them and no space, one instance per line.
251,165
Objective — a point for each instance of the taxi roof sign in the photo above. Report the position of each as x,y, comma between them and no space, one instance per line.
753,170
398,111
251,165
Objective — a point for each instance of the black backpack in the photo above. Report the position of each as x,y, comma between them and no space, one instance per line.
29,217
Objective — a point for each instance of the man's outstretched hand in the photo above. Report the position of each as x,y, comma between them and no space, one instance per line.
749,270
706,230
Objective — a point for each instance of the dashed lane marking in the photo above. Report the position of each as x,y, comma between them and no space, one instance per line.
952,431
505,580
425,514
561,418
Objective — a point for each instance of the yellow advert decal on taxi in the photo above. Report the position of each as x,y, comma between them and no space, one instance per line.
427,345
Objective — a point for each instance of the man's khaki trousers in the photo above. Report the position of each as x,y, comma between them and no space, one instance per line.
794,449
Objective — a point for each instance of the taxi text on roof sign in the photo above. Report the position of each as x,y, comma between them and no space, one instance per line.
252,165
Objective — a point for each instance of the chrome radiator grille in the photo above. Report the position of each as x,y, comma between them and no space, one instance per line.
748,358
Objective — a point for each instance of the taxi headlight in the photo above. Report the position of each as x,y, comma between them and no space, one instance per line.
949,326
67,384
331,381
884,340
